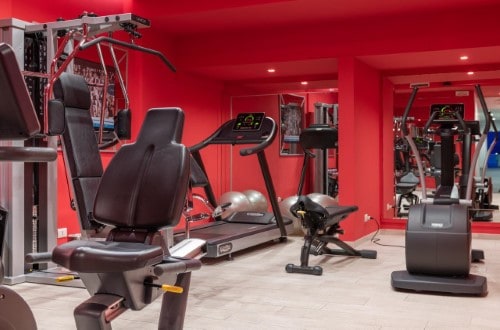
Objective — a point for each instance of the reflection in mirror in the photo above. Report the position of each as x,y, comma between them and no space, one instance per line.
291,123
489,159
326,157
433,113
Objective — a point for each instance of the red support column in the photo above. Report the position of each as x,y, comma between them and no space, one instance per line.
360,145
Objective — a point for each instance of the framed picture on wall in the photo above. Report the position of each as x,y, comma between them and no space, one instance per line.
291,123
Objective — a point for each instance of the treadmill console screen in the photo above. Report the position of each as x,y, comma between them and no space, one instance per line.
248,121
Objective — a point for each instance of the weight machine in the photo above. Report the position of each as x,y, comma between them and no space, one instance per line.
45,51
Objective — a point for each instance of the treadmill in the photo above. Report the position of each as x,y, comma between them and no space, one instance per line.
241,230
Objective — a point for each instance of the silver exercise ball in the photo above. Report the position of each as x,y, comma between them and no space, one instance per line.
322,199
284,206
237,200
257,200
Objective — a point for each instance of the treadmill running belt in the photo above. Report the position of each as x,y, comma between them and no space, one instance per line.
261,218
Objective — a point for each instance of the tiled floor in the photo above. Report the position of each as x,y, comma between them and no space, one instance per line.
253,291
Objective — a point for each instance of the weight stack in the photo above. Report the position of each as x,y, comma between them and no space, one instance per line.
438,240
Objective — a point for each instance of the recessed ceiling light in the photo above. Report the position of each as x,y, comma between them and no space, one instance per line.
470,73
464,58
271,70
303,82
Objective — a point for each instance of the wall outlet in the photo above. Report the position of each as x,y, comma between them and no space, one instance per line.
367,217
62,232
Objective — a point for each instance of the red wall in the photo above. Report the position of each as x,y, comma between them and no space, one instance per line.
206,102
150,84
360,137
38,11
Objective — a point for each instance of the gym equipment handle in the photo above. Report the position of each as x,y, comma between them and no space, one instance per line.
67,278
33,258
177,266
166,287
27,154
130,46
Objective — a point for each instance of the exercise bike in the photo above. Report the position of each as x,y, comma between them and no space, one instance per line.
438,232
134,265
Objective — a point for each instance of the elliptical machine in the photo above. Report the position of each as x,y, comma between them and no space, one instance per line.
438,232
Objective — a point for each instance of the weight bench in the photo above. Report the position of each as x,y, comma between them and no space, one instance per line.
323,226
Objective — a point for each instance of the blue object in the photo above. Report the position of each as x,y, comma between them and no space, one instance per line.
109,123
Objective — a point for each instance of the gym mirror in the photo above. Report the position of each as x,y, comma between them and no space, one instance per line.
291,123
407,186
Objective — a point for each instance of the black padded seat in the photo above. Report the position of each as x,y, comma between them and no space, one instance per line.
324,216
338,213
103,257
319,136
19,120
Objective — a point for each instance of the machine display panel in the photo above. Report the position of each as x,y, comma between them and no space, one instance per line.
248,121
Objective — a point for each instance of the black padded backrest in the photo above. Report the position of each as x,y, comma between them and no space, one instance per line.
146,182
79,144
18,117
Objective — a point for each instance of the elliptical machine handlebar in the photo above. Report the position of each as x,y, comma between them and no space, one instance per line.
484,134
490,149
411,143
458,118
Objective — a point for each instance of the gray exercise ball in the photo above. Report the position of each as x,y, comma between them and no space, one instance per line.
284,206
237,200
322,199
258,201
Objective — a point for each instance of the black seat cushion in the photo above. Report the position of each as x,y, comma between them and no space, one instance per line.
319,136
327,216
106,256
19,120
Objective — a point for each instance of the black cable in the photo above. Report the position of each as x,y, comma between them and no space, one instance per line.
377,240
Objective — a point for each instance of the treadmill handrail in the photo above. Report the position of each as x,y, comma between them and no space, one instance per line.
268,130
264,144
215,139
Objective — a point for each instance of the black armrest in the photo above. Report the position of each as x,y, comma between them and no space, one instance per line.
177,265
27,154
